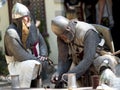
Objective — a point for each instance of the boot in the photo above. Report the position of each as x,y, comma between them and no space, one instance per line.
34,83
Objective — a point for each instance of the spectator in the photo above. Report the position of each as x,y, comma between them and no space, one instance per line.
70,8
83,10
104,13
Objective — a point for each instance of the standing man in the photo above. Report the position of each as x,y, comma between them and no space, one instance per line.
79,46
25,47
74,9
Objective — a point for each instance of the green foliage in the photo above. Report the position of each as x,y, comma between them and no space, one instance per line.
3,65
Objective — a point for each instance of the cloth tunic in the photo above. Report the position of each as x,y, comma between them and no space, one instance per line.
85,35
22,61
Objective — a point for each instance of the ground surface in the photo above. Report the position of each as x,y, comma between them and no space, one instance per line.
45,83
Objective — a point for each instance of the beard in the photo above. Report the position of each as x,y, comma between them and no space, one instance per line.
67,41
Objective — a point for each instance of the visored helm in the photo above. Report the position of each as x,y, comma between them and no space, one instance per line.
59,24
19,10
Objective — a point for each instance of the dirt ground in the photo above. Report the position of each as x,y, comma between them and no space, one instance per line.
44,84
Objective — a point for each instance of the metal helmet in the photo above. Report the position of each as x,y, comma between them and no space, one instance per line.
59,25
19,10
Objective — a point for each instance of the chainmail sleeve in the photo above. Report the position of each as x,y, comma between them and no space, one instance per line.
14,47
43,46
63,62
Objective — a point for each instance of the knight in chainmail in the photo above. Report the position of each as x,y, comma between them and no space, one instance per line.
81,45
25,48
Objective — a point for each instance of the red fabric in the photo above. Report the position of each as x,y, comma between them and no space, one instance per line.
35,49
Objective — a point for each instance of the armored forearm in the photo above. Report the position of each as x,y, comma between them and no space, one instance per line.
90,44
43,46
63,62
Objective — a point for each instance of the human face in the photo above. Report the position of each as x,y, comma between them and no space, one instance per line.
27,21
67,36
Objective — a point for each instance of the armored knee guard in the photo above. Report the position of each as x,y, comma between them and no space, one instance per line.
103,62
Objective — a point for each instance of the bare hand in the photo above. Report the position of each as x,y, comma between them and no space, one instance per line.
42,58
55,77
71,7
